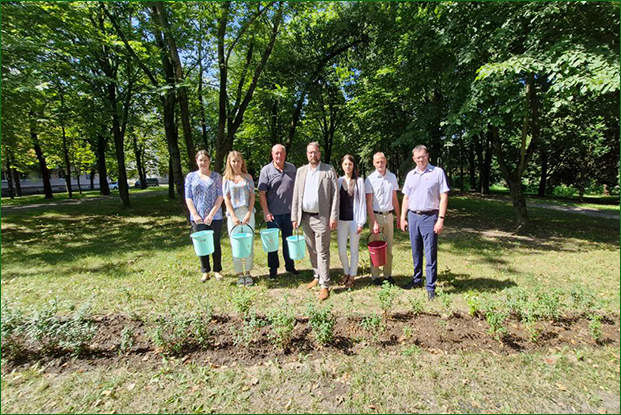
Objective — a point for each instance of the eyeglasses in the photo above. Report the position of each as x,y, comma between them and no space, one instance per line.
421,157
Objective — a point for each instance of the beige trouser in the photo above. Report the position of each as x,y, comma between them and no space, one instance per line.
386,226
317,236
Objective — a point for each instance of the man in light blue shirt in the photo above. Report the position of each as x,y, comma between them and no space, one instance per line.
425,199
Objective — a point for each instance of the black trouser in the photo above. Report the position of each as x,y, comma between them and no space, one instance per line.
216,227
286,229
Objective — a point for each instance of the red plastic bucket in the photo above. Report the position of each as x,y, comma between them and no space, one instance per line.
377,251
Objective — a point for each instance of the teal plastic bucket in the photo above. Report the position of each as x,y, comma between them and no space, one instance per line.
241,242
203,242
269,239
297,246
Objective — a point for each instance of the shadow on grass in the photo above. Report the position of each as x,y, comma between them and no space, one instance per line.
481,230
63,234
460,283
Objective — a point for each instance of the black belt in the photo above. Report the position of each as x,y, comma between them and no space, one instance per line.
309,213
383,213
426,212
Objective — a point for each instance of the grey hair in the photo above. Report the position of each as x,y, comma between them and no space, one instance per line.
420,147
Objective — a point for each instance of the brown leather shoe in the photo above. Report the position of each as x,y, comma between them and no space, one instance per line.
323,294
312,284
350,282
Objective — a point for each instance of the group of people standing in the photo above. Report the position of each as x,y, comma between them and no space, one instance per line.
314,198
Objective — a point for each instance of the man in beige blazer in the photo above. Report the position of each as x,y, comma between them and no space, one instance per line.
316,207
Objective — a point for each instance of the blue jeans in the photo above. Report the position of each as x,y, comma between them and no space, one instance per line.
422,236
286,229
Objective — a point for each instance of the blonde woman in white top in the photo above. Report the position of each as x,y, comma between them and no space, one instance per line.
238,190
352,217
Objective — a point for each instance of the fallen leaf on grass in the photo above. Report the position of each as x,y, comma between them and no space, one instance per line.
550,360
107,392
289,403
602,411
561,387
372,407
131,386
254,381
476,404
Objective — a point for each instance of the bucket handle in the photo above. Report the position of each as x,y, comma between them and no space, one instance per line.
265,223
242,225
297,233
379,233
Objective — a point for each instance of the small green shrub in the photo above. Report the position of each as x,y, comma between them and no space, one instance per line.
548,305
583,300
386,296
447,299
243,300
54,333
128,339
595,328
496,319
13,332
282,325
321,321
532,329
517,300
182,331
373,324
475,304
416,304
249,326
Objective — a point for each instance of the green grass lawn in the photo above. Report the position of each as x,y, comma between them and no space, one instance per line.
140,262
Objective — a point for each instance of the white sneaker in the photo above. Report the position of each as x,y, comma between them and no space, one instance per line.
241,281
218,275
248,281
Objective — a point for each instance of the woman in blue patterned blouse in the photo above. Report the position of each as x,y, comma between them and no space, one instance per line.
239,197
203,195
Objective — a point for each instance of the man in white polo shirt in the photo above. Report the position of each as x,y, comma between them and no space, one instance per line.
425,199
382,204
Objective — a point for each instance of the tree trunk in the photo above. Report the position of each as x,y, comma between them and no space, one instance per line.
67,164
544,173
221,136
78,179
118,145
9,177
461,163
17,181
92,179
472,167
160,16
487,164
514,181
519,201
201,105
139,165
225,140
104,189
171,180
45,173
274,123
176,174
